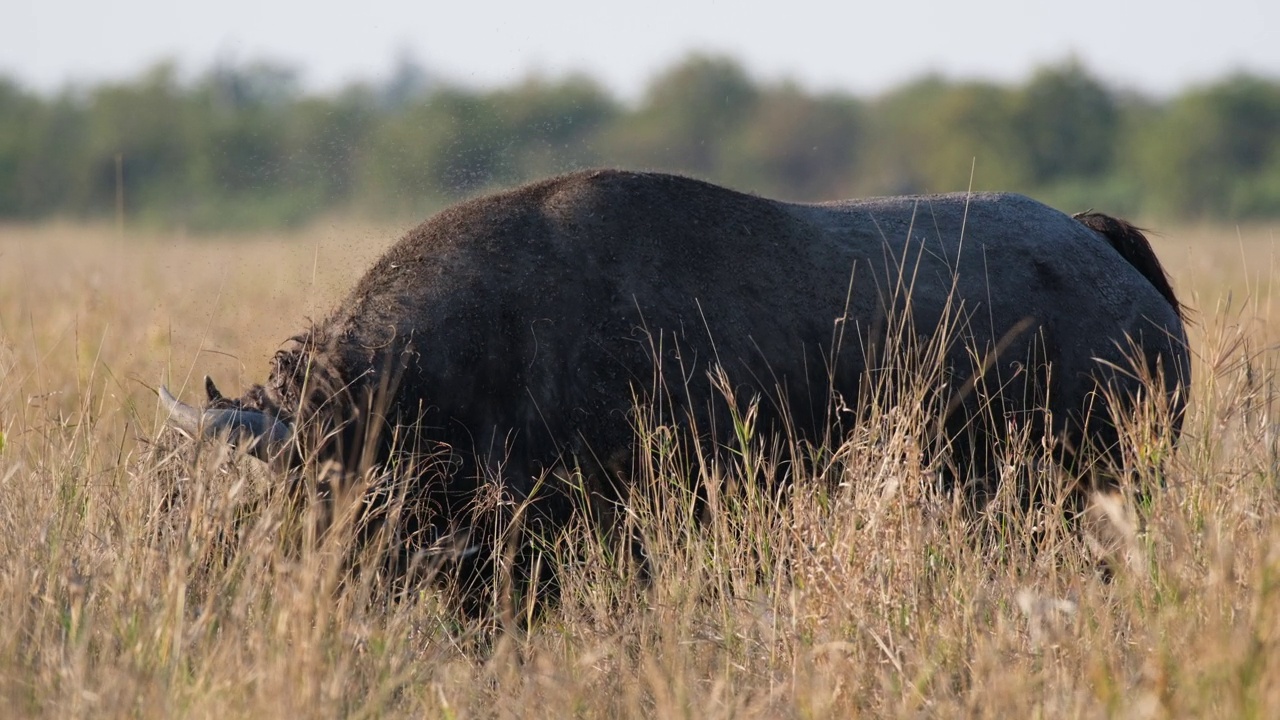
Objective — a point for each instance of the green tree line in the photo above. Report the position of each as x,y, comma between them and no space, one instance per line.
246,147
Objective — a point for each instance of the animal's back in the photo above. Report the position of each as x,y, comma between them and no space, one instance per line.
1084,298
533,319
543,312
514,334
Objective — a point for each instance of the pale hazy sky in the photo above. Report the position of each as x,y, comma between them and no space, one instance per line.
1150,45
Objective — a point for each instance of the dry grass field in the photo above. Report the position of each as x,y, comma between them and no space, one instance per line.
867,596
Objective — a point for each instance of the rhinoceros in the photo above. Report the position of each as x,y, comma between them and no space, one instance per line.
513,336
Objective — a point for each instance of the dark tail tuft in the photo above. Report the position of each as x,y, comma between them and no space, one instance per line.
1134,247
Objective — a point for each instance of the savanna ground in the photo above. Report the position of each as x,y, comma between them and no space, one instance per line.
140,578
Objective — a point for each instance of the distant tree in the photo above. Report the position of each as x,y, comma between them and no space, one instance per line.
893,124
148,124
244,145
241,121
55,145
255,85
325,141
446,147
38,142
686,114
1216,151
409,83
936,136
554,126
16,109
1069,122
797,145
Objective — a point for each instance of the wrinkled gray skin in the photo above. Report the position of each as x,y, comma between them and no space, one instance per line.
511,334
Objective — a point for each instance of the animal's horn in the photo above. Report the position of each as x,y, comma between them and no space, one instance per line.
181,415
263,434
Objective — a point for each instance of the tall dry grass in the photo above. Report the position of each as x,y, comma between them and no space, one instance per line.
141,577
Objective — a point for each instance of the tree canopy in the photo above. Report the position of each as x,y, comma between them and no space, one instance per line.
245,146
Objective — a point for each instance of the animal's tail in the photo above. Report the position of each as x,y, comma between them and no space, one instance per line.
1134,247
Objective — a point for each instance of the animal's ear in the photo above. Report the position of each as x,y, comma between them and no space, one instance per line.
211,390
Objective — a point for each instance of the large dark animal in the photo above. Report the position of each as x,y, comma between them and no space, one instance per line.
510,337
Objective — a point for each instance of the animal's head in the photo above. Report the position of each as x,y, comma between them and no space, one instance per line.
252,421
300,391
